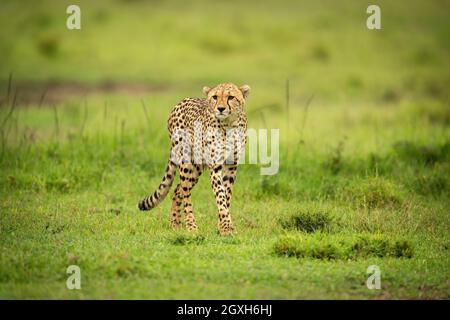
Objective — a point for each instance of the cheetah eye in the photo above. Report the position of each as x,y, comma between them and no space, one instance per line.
214,97
230,98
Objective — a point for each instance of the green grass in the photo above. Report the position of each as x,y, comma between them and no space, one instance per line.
308,221
364,168
341,247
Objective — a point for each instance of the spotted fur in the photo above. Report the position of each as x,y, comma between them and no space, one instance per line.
223,111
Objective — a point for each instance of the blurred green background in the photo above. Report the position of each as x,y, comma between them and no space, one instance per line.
364,123
324,45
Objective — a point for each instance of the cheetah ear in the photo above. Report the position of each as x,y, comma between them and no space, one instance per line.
245,89
206,90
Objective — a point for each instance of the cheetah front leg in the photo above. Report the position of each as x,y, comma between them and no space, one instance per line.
229,177
225,224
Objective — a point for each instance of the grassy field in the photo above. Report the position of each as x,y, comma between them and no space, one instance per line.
364,177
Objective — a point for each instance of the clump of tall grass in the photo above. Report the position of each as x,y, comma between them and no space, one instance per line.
187,239
374,192
274,186
335,161
434,182
349,247
307,221
414,153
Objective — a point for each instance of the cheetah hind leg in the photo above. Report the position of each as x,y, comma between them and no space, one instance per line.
189,175
177,206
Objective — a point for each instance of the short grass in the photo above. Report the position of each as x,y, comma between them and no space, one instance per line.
364,151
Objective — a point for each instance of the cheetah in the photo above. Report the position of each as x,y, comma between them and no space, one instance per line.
206,134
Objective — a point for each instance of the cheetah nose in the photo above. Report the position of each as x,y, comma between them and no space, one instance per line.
221,109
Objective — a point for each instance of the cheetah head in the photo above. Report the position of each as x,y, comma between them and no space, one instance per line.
226,99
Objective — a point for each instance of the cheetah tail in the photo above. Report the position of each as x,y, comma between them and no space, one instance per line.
156,197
